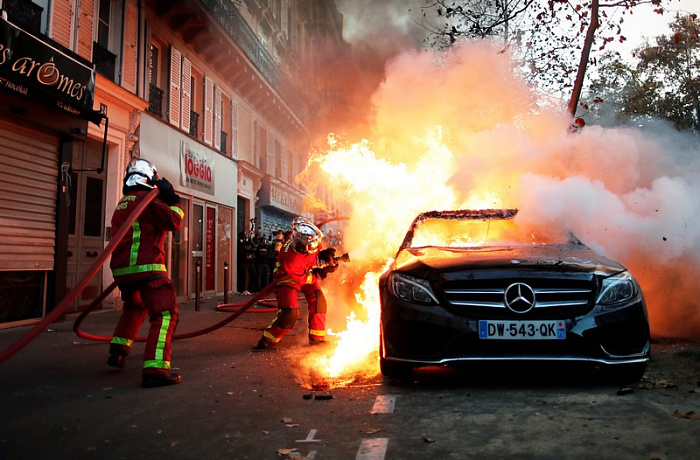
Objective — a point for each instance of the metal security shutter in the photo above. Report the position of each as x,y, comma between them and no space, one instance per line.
28,189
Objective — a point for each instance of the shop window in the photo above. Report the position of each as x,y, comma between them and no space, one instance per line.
224,248
22,293
93,207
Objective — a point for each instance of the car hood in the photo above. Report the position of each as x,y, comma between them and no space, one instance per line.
554,257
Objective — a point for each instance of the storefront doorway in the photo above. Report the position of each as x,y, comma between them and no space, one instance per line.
86,214
212,248
197,240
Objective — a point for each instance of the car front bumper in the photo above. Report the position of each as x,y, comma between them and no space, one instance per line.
433,335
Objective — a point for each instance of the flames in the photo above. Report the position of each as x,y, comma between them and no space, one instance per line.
382,199
461,131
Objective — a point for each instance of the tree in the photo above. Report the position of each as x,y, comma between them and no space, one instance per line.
539,31
662,80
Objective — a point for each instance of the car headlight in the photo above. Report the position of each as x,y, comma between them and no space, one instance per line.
412,289
617,288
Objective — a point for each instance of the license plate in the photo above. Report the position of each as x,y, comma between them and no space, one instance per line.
522,330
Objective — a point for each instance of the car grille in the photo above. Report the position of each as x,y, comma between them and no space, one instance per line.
554,298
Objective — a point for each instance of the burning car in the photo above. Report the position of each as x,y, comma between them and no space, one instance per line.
474,286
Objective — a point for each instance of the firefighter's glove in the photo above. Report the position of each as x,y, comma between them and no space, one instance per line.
323,272
326,258
167,193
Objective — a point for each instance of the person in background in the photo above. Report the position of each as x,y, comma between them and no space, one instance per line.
263,260
138,267
278,242
241,262
252,263
300,265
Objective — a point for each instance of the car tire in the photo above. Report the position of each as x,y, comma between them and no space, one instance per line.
624,374
395,369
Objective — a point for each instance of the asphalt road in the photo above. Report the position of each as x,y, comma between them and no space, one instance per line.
59,400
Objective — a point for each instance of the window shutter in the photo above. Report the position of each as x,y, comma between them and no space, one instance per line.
208,110
86,18
234,129
131,31
186,94
175,75
62,15
217,117
270,154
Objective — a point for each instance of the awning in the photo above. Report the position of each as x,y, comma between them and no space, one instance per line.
35,69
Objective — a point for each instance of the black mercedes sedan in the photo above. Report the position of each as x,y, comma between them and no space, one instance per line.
475,286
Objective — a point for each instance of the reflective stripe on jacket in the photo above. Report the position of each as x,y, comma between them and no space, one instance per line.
295,265
140,254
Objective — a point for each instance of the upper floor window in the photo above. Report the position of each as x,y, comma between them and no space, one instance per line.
154,65
108,41
103,21
155,92
32,16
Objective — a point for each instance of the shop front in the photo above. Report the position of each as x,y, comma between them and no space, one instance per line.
278,205
206,182
47,98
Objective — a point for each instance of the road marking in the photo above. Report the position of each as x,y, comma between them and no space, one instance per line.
310,436
384,404
372,449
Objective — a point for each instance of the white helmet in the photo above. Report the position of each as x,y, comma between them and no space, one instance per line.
306,237
140,172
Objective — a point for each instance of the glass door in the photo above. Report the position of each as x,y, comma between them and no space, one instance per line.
197,244
210,251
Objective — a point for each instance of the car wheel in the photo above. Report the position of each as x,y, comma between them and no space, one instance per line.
395,369
624,374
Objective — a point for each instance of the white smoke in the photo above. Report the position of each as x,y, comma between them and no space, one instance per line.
628,193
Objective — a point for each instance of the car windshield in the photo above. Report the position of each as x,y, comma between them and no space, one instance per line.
480,232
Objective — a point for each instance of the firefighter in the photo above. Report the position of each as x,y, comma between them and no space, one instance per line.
300,265
138,267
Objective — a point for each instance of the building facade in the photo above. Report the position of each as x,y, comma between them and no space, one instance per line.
216,93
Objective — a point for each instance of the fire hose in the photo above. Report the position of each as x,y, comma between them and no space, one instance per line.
234,307
78,288
240,308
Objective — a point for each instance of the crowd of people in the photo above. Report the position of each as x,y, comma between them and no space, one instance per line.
257,254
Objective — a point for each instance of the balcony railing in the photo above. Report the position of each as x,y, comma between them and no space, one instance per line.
194,124
155,97
237,28
24,13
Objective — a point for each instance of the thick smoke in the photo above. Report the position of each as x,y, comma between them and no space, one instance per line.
628,193
387,27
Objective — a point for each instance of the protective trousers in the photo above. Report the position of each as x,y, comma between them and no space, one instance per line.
156,299
288,312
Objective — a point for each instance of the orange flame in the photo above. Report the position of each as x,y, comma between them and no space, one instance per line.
468,134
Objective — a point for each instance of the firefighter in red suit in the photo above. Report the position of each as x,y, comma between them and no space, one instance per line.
138,267
300,265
